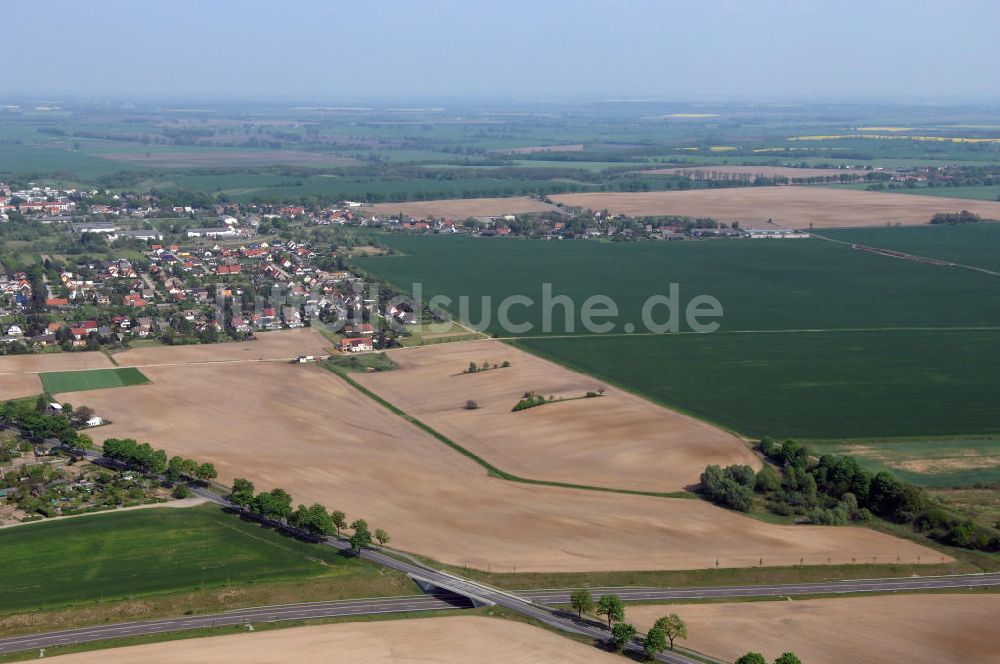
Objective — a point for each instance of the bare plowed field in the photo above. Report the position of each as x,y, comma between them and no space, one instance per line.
616,440
276,345
450,640
304,429
19,373
877,630
792,207
463,208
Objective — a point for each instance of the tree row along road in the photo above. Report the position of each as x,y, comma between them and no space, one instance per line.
457,592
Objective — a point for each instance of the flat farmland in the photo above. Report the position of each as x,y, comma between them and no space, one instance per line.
463,208
930,463
618,440
20,374
791,207
42,362
91,379
269,346
762,285
306,430
210,157
894,628
817,340
753,172
110,556
828,385
968,244
445,640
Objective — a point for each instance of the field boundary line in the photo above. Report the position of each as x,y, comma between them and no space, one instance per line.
492,470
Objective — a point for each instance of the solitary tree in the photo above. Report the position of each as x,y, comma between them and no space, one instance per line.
621,634
612,607
581,600
339,520
655,643
788,658
382,537
752,658
673,627
361,537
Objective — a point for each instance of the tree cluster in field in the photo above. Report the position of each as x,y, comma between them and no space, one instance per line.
963,217
528,400
665,631
485,366
835,490
35,423
730,487
147,459
314,520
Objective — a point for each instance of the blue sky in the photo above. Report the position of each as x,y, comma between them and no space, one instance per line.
596,49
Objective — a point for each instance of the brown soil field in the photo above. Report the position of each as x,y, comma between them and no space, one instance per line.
208,157
19,373
15,386
737,172
446,640
274,345
463,208
792,207
53,362
306,430
877,630
618,440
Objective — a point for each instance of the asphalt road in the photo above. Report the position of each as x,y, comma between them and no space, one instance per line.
450,591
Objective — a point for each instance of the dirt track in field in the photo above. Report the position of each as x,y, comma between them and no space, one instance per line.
306,430
875,630
792,207
616,440
448,640
462,208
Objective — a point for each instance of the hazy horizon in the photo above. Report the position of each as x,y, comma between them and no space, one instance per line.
441,49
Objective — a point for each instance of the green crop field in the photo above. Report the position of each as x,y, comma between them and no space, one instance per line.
807,385
969,244
818,340
979,193
782,285
931,463
58,382
150,551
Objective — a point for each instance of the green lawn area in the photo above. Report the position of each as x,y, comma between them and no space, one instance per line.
112,556
58,382
930,463
818,340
